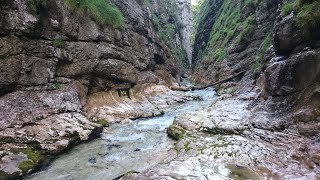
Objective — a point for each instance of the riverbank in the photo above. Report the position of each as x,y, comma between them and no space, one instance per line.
28,148
134,146
223,141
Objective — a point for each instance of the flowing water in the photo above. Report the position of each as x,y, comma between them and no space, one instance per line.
135,146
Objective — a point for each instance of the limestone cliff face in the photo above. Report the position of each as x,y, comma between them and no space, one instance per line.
277,55
60,70
186,17
231,37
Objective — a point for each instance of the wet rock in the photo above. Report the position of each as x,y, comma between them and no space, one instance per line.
93,160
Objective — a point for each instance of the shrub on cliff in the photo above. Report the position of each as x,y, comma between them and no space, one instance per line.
102,11
308,17
287,8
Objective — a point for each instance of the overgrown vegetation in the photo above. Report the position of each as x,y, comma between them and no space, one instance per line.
247,29
34,157
102,11
287,8
25,166
225,28
308,16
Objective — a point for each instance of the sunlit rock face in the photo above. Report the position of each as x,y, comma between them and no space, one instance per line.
186,18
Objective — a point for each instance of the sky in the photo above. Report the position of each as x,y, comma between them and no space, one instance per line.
194,2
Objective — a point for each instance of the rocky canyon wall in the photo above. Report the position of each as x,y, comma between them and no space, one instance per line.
61,69
275,46
186,17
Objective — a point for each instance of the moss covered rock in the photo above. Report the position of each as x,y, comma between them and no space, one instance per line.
175,132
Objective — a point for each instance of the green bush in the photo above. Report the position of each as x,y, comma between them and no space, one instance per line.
287,8
102,11
308,17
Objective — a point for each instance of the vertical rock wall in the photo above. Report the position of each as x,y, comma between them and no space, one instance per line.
60,69
186,17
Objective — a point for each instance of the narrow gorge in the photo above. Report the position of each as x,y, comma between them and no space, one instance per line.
159,89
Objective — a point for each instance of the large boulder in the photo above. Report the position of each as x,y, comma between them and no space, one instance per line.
293,74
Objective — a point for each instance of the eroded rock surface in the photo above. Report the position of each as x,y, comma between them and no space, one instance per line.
63,76
226,144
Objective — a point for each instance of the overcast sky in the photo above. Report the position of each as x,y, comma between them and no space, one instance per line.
194,2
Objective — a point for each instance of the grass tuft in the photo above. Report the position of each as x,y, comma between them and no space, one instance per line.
59,43
308,17
287,8
102,11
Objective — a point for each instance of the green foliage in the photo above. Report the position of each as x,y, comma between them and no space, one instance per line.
57,85
102,122
226,27
220,54
223,30
25,166
59,43
247,29
34,157
287,8
102,11
308,17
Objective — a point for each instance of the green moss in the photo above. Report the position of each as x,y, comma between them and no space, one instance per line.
308,17
35,156
25,166
102,11
59,43
102,122
176,132
287,8
57,85
187,146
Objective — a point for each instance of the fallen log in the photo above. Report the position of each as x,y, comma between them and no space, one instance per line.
193,88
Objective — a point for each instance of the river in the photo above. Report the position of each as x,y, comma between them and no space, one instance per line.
122,148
